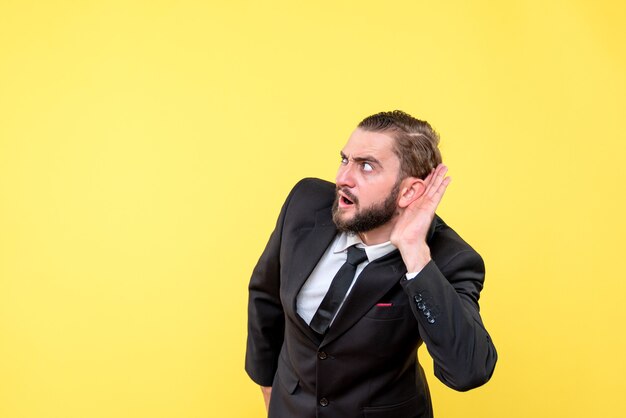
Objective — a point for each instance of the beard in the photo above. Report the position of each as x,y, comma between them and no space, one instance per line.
369,218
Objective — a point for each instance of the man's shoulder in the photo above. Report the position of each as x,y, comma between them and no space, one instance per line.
445,243
314,192
310,200
315,186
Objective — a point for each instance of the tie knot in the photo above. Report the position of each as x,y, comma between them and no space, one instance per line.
356,255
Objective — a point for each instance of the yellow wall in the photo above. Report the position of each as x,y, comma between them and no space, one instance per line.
146,147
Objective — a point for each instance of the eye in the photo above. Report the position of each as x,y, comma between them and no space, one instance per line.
367,167
344,160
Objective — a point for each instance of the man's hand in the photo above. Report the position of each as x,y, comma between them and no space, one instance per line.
409,232
267,394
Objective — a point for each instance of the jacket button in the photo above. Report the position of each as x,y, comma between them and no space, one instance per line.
322,355
324,402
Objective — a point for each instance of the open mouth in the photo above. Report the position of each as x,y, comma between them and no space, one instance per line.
346,201
346,198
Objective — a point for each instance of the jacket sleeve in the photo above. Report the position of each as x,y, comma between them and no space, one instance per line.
266,323
445,302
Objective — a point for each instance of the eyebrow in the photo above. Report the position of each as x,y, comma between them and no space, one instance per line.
366,158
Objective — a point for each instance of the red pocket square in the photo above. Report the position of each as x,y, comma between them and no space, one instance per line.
384,305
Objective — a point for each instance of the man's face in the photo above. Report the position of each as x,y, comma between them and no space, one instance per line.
367,182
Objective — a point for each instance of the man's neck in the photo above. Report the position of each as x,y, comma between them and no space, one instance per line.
378,235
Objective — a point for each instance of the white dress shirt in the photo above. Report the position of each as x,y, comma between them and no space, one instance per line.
314,289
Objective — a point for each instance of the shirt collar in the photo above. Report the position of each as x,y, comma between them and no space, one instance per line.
373,252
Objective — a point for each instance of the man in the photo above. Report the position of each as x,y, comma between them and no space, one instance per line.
357,275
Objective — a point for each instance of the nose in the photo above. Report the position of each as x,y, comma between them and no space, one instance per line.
345,175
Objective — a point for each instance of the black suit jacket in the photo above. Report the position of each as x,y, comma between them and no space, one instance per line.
366,365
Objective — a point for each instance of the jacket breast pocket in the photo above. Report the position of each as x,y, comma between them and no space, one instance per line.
383,311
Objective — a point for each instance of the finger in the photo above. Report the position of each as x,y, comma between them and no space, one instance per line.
429,177
429,180
438,179
436,198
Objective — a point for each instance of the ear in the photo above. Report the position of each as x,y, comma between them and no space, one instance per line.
411,189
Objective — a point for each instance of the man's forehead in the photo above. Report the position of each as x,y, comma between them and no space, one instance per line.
362,143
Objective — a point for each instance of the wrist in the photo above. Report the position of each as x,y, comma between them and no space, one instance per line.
417,260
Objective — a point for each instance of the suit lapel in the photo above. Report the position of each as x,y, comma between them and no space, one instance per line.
376,279
372,284
309,246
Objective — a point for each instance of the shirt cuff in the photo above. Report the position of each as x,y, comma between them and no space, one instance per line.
411,276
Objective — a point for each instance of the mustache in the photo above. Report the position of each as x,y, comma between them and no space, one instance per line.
348,194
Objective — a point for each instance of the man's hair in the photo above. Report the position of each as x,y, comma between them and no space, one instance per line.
415,141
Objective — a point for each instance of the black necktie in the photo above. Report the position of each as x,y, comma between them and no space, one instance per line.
337,290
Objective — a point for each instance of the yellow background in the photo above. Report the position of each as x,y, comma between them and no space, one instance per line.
146,148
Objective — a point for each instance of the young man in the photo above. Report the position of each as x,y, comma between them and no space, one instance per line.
357,275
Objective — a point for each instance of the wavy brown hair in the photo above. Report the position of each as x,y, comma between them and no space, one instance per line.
416,142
